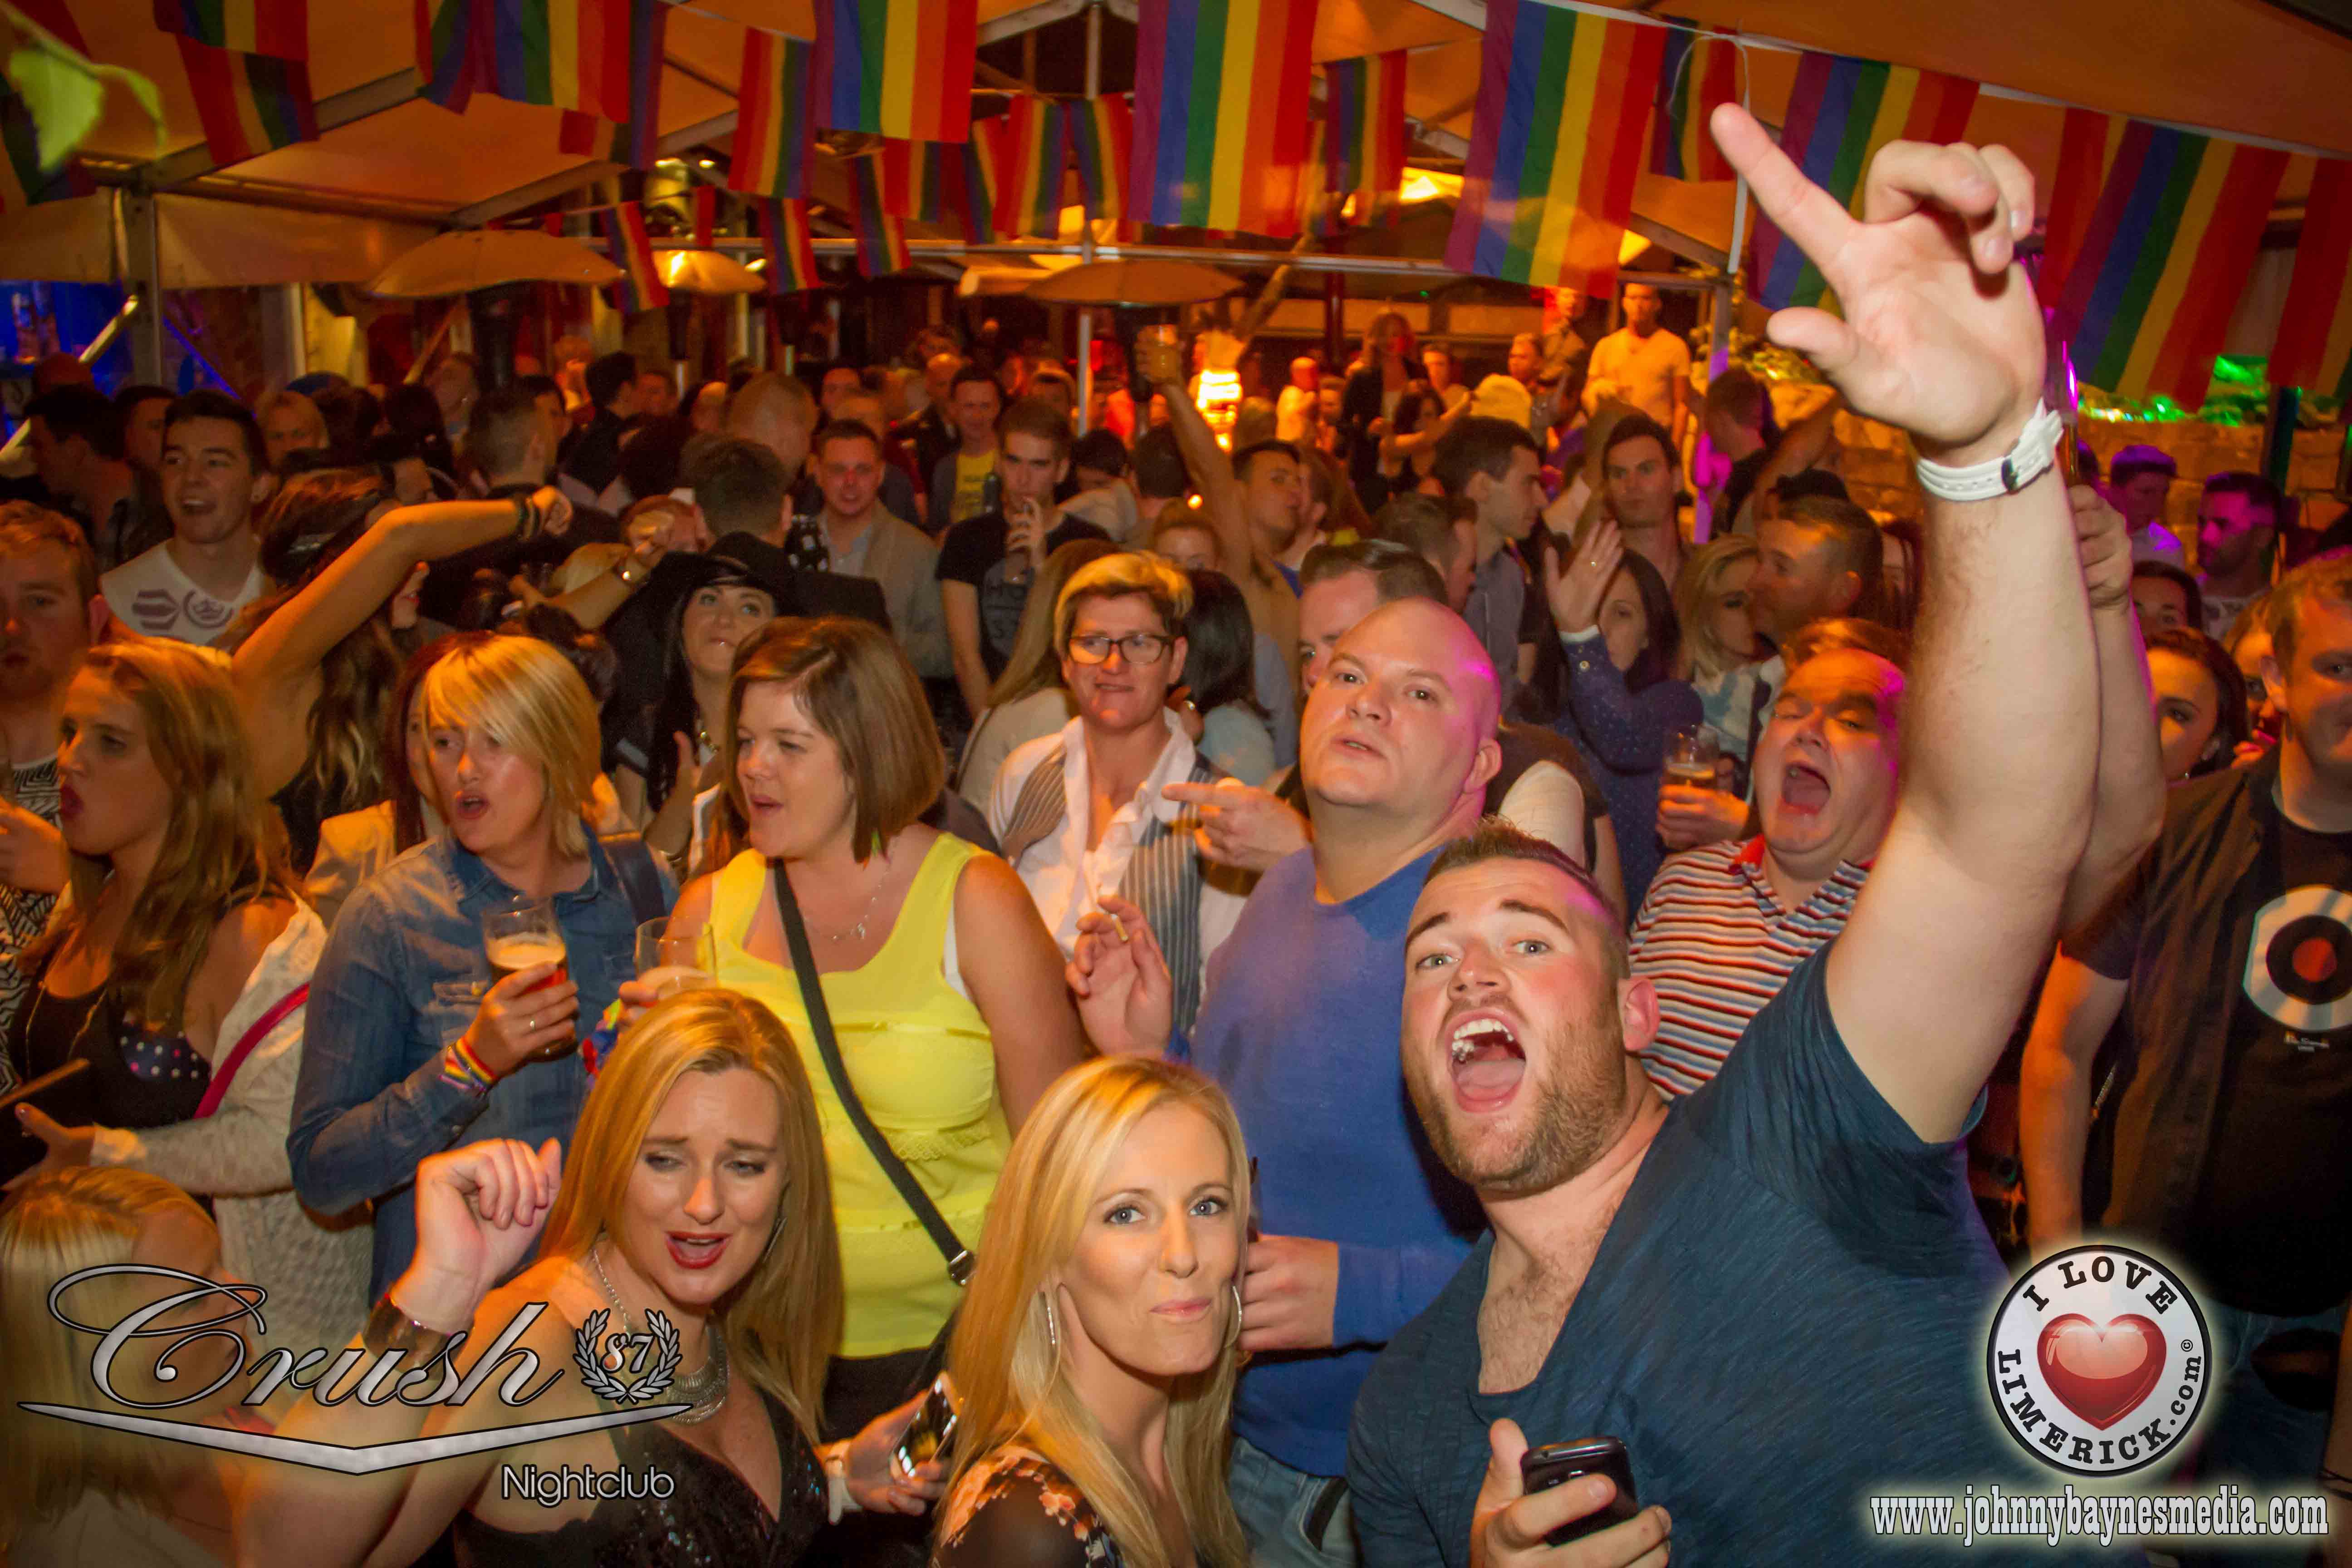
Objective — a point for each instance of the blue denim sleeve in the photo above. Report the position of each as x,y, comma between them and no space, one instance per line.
366,1110
1623,733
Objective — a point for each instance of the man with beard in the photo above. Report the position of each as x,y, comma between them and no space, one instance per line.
1362,1227
1775,1291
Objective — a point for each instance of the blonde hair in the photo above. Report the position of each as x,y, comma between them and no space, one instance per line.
1013,1378
1702,655
1035,663
301,404
1118,576
528,696
783,1320
83,1216
221,847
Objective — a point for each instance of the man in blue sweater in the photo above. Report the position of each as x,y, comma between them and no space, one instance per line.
1363,1227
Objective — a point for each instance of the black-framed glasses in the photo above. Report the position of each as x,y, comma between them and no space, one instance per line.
1137,647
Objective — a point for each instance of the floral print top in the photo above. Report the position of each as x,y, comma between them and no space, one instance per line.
1017,1509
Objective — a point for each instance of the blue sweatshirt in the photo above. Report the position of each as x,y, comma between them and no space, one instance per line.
1300,1026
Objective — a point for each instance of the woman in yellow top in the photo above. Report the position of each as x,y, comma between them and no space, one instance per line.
944,987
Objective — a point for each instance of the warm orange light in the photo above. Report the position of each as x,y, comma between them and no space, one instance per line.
1219,395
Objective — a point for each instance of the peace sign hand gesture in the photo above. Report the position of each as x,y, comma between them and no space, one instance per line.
1942,335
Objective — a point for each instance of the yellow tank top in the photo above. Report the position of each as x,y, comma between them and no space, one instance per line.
922,1061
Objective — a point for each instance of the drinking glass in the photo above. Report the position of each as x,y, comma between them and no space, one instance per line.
674,964
1691,753
515,937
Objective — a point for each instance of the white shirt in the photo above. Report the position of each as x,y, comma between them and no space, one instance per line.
152,595
1065,878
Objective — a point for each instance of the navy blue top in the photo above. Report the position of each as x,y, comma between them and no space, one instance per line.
1622,733
1787,1315
401,977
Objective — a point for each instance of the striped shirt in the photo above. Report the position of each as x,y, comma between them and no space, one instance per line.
1716,944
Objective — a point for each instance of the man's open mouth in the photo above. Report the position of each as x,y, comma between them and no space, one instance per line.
1487,1063
1805,788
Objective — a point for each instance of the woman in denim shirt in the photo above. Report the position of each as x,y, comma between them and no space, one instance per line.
412,1048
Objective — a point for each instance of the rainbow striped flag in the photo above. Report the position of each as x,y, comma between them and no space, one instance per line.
2164,259
774,138
2314,338
576,137
568,54
939,182
1842,111
248,104
881,235
1564,101
2086,151
641,286
280,29
24,182
1363,133
452,47
1697,73
1221,120
1102,143
897,67
648,31
1036,150
784,236
706,214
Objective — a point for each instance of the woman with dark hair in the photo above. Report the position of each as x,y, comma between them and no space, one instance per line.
414,414
653,451
1617,626
1226,723
351,413
314,661
2200,711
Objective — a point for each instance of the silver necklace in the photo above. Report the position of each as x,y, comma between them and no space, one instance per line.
705,1389
857,931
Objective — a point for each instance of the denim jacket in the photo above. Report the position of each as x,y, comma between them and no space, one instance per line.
401,978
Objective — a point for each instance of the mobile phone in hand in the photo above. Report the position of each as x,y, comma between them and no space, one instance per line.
1555,1464
932,1431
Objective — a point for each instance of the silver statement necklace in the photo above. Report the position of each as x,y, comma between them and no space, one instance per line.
705,1389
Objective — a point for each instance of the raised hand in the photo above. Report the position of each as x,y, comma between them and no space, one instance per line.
1575,589
1119,976
1941,335
2103,540
1241,825
478,1213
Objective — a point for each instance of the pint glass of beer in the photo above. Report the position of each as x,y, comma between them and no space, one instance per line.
1691,753
519,935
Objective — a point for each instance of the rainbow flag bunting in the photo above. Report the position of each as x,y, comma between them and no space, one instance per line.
943,182
1036,150
279,28
641,286
784,236
2164,259
1221,120
706,214
577,136
589,57
897,67
250,104
2086,151
1321,210
2315,340
774,137
881,236
648,30
1102,144
1564,102
23,181
1697,73
553,224
1363,133
452,43
1841,113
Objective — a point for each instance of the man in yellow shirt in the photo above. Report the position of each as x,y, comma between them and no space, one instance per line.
962,482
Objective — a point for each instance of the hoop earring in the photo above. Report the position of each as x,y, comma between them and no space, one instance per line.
1053,1329
1235,1338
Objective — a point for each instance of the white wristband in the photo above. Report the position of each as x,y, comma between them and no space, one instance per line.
2035,451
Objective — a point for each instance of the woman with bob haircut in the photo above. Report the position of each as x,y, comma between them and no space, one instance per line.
1719,644
1097,1357
71,1494
416,1043
693,1206
172,972
944,990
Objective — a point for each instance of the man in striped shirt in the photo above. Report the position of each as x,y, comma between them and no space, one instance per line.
1725,925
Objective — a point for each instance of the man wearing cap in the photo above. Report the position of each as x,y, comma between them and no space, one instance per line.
2139,481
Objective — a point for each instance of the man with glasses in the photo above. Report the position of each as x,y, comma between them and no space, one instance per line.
1081,813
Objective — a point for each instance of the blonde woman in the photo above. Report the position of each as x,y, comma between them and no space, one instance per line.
1719,642
72,1495
1095,1360
172,971
414,1043
695,1190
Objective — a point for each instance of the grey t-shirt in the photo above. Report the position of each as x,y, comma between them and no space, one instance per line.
1788,1315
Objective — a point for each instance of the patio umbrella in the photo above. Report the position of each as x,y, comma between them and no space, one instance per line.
467,259
1141,282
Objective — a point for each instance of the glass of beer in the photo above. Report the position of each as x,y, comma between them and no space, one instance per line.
674,964
519,935
1691,753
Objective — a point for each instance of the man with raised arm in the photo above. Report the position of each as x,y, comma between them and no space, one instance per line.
1773,1292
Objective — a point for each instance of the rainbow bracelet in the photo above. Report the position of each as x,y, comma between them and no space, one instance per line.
461,1067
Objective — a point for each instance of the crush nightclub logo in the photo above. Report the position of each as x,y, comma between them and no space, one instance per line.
2099,1361
348,1373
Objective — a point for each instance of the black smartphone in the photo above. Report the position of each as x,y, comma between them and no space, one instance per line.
929,1436
1540,1469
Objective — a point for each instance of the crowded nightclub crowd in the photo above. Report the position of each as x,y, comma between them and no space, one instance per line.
1293,965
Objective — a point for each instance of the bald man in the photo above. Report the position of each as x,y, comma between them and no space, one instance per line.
1299,1024
777,412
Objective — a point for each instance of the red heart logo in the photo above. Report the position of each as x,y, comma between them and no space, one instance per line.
2101,1373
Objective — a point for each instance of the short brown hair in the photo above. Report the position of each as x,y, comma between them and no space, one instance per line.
1498,838
1831,632
859,690
1030,417
26,528
2329,577
1854,538
1398,570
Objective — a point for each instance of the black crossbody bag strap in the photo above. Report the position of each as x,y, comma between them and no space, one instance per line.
943,1236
